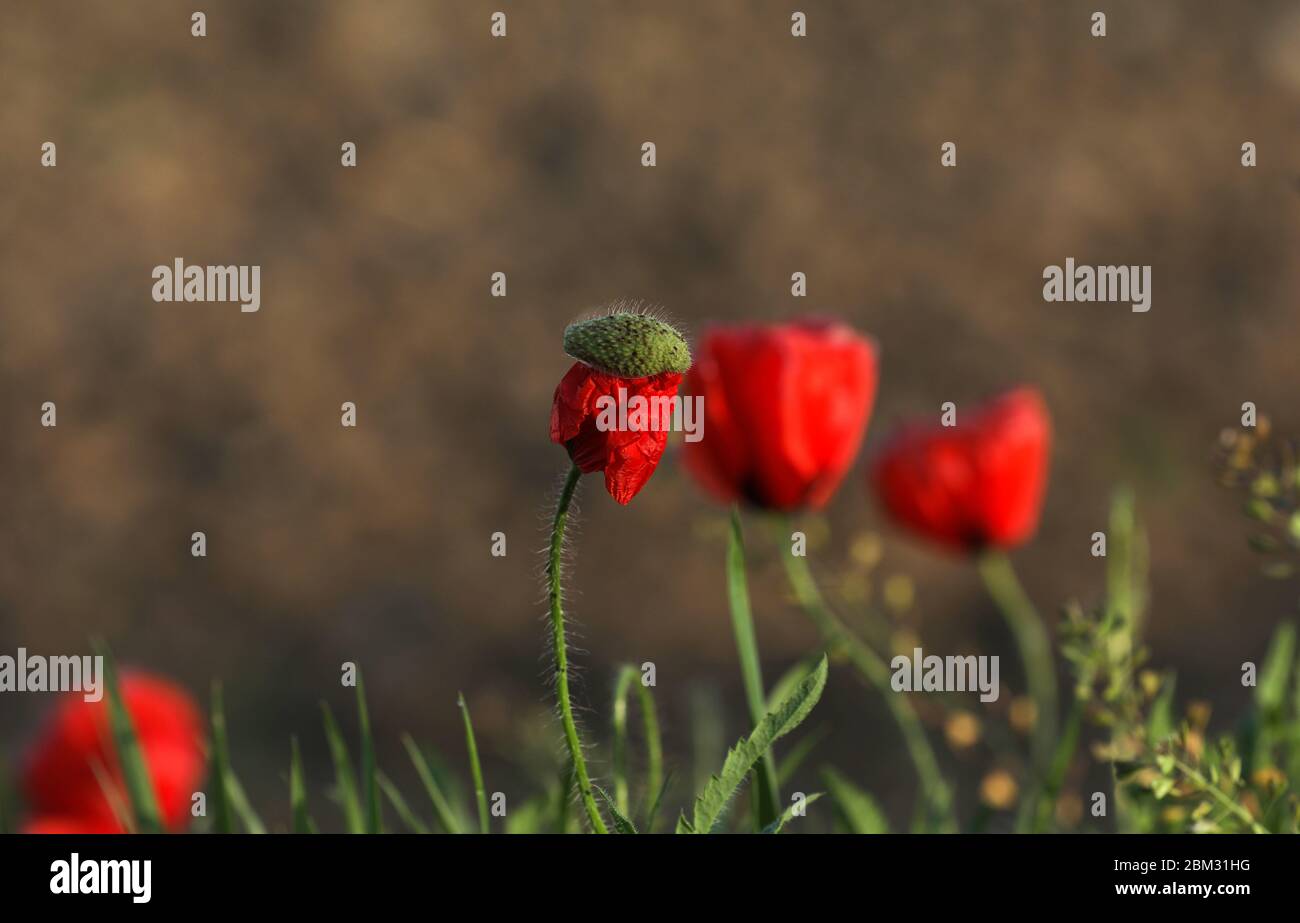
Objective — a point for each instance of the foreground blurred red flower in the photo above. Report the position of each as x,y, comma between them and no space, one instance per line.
785,409
628,457
974,485
63,793
626,356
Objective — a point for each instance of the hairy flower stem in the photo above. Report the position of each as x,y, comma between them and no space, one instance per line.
869,665
1036,652
555,591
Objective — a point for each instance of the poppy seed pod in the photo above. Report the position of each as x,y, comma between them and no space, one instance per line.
627,345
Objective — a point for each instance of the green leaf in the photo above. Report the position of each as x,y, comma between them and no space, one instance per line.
712,803
476,770
854,806
300,820
1275,674
441,807
790,679
1161,722
779,824
374,821
621,823
766,796
345,786
404,812
135,771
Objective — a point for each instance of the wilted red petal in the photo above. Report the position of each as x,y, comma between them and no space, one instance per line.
627,457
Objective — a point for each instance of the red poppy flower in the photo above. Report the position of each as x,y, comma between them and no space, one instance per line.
627,456
977,484
785,409
60,780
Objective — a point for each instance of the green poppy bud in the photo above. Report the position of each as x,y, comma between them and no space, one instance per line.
628,344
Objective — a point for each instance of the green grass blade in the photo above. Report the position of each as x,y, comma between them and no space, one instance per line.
130,758
1275,674
799,753
404,813
627,675
441,807
788,814
222,820
855,808
345,783
766,796
300,819
621,823
228,797
630,678
374,821
653,812
480,792
712,803
113,795
654,747
242,806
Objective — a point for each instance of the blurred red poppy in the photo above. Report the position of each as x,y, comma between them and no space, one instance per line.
974,485
63,792
785,410
627,456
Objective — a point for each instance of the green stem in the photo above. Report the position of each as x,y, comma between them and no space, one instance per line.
555,591
767,797
870,666
1036,653
1065,748
1217,794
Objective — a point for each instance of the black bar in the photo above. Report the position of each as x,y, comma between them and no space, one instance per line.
333,873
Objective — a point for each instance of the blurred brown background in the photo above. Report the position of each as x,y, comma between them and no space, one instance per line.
523,155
